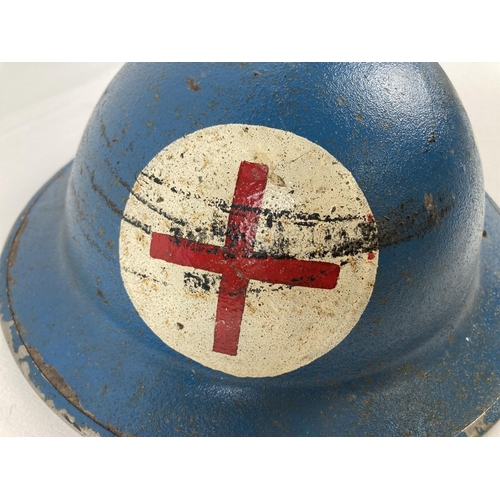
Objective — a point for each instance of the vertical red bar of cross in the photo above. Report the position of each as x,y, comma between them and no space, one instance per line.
240,237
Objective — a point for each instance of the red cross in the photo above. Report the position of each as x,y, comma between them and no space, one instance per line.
236,262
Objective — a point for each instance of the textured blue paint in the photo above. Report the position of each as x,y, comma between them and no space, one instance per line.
407,367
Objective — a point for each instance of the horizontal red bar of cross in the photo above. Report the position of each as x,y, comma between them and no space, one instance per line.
236,262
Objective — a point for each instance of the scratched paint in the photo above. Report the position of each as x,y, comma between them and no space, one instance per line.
256,323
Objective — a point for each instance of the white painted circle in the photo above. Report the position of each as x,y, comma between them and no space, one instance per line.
312,209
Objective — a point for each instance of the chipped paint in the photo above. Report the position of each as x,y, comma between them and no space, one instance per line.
480,426
20,356
6,326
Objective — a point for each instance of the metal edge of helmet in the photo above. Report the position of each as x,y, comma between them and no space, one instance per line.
378,298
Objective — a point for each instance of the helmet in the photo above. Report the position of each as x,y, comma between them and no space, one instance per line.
264,249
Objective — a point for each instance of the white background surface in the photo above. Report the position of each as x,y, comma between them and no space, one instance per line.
43,111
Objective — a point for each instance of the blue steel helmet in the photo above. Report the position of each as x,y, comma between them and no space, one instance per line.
264,249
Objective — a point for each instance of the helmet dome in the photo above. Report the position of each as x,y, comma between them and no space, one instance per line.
239,245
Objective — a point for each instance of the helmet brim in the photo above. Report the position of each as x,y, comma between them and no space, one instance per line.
103,378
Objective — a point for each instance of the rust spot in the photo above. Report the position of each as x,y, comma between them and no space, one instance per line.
104,299
408,278
251,307
192,85
15,244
